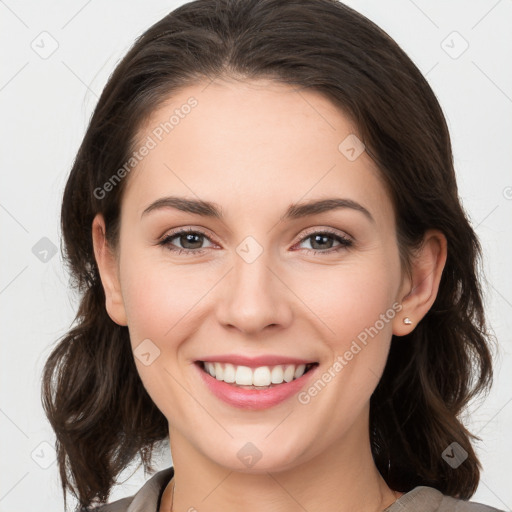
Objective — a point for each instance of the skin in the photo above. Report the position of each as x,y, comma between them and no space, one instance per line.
254,148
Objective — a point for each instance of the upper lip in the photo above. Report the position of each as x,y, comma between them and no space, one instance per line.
255,362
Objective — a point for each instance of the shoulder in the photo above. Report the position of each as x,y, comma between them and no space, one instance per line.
146,499
449,504
116,506
428,499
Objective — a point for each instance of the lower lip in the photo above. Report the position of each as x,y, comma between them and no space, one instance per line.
254,399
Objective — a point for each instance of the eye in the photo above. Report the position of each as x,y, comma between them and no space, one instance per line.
321,242
189,239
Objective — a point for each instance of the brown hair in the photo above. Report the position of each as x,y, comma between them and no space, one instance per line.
91,391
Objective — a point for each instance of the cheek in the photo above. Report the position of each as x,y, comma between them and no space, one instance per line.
164,301
349,300
157,297
160,302
356,305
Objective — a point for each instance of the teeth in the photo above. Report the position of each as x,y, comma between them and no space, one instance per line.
243,376
260,377
229,373
211,369
219,371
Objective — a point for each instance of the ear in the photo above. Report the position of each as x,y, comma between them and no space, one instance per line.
109,274
421,287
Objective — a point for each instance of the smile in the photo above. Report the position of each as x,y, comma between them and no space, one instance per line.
269,385
262,377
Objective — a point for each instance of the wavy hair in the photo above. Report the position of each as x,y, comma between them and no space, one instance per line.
91,392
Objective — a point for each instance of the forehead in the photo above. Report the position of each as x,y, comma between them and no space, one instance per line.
249,144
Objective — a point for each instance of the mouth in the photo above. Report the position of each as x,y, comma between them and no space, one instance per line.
258,378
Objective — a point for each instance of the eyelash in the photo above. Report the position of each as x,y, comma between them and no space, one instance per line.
166,242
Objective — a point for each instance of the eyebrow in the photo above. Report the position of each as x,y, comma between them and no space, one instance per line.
294,211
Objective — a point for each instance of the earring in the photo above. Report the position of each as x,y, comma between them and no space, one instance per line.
407,321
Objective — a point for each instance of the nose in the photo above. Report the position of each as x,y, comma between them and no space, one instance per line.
254,297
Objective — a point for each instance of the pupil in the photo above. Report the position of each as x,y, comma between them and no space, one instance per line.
189,238
322,238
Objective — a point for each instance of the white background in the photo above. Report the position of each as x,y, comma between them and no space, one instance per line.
45,105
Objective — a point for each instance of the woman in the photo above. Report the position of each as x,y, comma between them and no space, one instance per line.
277,274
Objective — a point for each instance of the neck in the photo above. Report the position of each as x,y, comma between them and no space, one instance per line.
342,478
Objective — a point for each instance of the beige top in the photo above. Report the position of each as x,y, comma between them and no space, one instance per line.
420,499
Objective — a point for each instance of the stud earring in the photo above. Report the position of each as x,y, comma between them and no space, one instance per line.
407,321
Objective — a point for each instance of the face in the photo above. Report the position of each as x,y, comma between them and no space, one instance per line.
259,279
